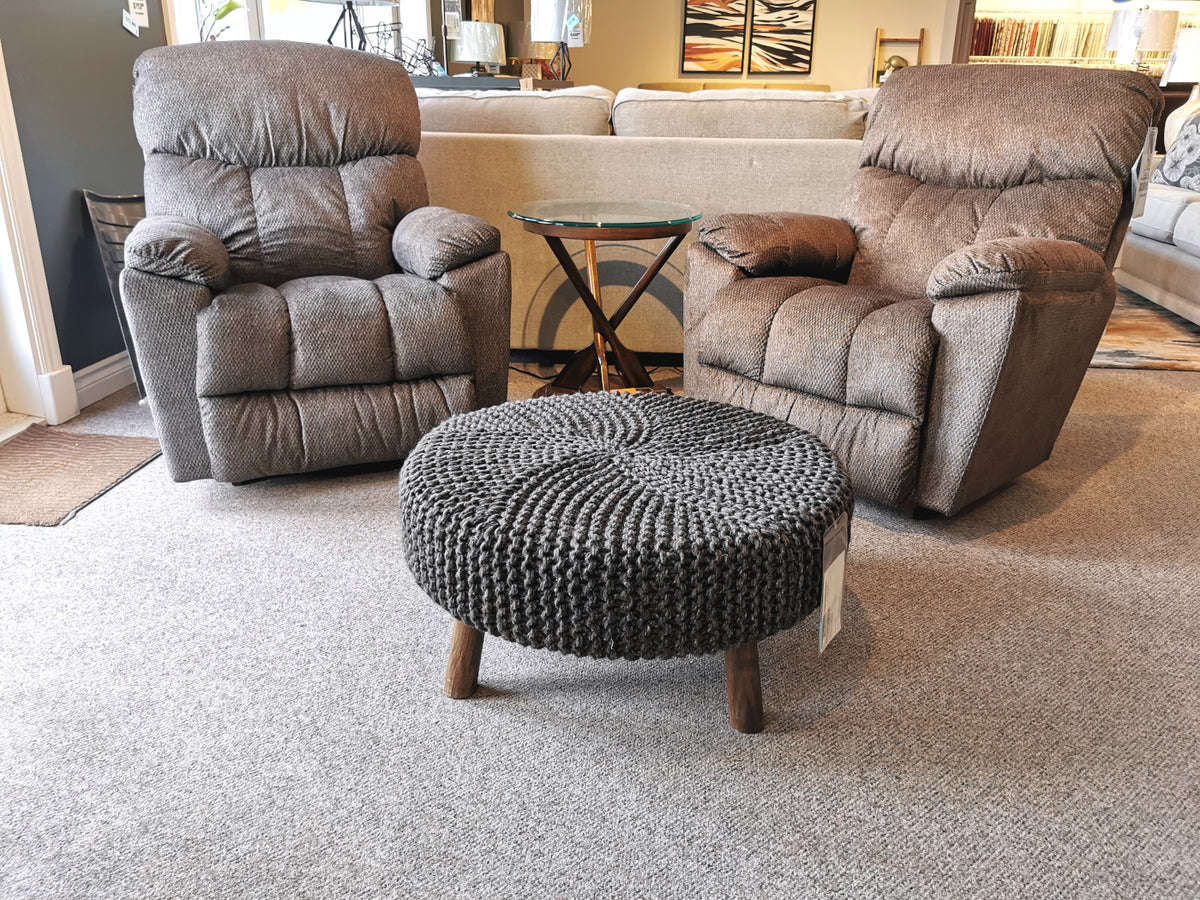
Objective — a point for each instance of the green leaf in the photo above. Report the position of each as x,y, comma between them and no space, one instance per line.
231,6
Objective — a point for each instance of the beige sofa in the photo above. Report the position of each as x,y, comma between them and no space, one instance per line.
721,151
1161,256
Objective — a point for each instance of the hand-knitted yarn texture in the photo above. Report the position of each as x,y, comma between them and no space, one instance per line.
621,526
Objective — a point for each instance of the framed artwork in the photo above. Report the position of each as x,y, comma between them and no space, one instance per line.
714,35
781,38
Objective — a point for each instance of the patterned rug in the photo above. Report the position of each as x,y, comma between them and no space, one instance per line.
1143,335
47,475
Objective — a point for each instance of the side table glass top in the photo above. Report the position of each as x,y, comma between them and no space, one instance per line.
606,213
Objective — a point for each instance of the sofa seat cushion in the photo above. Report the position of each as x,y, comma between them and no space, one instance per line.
1164,206
738,114
579,110
329,331
856,346
1187,230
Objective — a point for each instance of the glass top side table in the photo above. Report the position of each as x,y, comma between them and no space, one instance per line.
604,220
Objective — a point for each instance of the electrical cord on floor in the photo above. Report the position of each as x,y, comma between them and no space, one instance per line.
651,371
533,374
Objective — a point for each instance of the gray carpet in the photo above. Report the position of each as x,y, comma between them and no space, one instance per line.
215,691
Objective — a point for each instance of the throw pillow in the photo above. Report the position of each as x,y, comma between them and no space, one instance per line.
1181,166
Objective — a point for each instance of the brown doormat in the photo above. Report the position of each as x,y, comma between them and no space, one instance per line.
46,475
1143,335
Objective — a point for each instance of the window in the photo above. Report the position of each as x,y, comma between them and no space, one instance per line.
314,21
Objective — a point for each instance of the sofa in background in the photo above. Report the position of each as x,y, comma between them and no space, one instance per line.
294,301
1161,257
484,153
738,85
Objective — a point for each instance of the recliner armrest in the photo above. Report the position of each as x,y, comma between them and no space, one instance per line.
1017,263
767,244
176,248
432,240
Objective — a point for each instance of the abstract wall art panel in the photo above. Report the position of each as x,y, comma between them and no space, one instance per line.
781,37
714,35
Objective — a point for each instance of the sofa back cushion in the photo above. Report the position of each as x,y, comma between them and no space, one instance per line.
1011,151
580,110
1181,166
246,139
738,114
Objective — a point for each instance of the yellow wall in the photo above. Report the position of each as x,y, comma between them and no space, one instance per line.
640,40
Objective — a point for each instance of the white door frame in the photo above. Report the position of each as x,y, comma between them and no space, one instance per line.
35,380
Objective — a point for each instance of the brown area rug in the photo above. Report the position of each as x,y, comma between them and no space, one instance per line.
1143,335
47,475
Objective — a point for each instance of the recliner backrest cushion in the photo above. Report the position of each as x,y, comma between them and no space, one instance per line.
958,154
301,158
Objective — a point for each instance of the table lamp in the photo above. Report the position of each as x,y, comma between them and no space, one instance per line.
567,23
521,46
1184,66
1137,31
481,43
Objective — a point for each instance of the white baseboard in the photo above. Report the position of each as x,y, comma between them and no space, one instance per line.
100,379
60,401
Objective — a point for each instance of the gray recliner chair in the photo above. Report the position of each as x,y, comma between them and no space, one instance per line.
294,301
935,336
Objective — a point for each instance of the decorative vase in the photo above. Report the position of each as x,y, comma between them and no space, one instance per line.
1175,120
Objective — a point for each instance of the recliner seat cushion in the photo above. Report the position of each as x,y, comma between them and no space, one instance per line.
857,361
852,345
258,434
329,331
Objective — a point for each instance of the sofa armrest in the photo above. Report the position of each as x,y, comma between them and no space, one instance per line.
432,240
172,247
1017,264
781,243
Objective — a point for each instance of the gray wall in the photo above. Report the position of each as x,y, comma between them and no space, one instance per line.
70,70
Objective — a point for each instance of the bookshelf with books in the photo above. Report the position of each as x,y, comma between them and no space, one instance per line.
1074,33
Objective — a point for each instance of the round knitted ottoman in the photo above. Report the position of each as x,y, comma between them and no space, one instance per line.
621,526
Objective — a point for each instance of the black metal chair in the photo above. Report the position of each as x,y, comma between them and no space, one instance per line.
113,217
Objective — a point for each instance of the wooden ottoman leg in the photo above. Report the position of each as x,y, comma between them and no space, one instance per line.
744,688
462,671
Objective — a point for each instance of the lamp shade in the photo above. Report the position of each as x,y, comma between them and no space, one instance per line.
1184,64
1136,31
522,46
561,21
481,42
547,20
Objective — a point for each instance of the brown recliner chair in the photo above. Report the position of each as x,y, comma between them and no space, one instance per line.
936,335
295,302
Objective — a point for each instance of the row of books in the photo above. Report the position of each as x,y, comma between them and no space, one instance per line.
1049,38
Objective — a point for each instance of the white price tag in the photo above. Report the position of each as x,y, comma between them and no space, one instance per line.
452,19
129,24
837,543
1142,171
140,13
574,31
